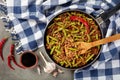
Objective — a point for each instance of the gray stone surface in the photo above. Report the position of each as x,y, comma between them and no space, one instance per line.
28,74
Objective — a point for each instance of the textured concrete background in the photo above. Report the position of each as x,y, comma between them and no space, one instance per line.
29,74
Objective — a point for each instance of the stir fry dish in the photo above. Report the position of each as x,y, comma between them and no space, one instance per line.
64,34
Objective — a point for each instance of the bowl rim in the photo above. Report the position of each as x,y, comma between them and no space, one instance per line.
34,65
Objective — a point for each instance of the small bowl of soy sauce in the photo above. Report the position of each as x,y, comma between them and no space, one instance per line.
28,59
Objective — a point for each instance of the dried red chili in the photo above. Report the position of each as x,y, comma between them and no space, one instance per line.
2,42
11,57
9,62
82,20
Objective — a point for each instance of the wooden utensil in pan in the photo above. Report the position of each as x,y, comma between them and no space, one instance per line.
84,46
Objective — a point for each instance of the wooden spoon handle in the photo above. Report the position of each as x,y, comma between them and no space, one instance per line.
105,40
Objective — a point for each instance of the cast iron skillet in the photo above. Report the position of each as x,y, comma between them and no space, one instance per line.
99,20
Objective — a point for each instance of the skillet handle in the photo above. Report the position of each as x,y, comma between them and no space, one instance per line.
107,14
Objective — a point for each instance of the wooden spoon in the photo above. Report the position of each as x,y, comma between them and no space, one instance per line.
84,46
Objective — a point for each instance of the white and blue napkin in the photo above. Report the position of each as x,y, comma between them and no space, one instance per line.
27,19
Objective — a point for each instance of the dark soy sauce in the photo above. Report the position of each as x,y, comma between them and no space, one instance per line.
28,59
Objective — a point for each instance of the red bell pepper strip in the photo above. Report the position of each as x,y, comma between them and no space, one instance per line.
12,58
2,42
73,18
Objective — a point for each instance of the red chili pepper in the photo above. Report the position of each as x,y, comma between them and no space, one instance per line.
82,21
12,49
2,42
9,62
12,58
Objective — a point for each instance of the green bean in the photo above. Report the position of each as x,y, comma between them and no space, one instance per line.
89,39
47,37
76,56
82,60
79,14
66,65
98,47
75,31
89,19
69,63
53,38
57,18
83,38
64,32
74,26
72,49
76,65
89,58
73,13
59,46
63,39
82,31
56,58
52,25
52,42
73,62
60,24
77,36
61,63
96,36
77,39
58,30
78,23
82,26
65,62
92,32
68,14
68,35
52,50
72,23
58,51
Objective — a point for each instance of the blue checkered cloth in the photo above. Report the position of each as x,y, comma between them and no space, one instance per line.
27,19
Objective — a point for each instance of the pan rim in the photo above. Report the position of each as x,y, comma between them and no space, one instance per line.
86,65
